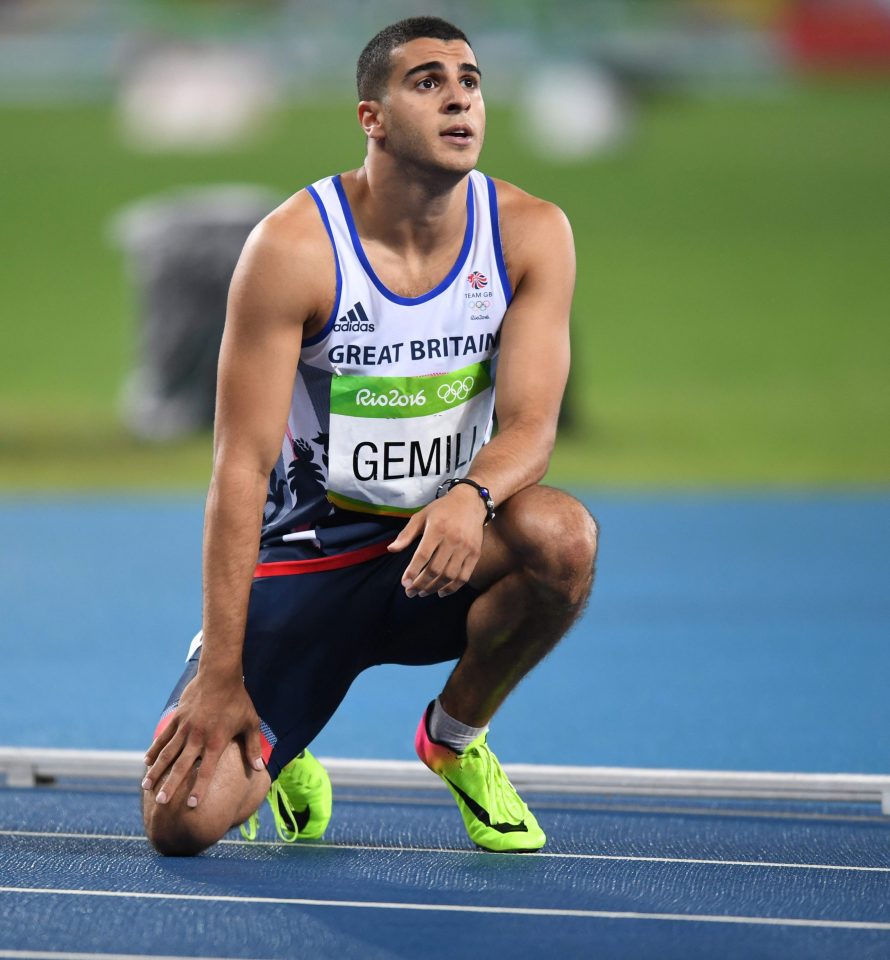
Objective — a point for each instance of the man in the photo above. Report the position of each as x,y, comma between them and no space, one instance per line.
368,317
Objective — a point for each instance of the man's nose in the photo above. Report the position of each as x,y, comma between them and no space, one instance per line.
457,99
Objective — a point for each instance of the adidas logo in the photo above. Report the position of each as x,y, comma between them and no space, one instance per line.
354,321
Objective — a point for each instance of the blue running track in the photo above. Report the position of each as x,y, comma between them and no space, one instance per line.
726,632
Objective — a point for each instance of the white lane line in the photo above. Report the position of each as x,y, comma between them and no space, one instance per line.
614,808
539,854
54,834
65,955
466,908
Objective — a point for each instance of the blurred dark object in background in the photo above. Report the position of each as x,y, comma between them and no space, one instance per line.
182,250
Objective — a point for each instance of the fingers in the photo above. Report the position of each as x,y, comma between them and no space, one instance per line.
446,556
160,741
456,573
208,718
463,578
409,533
155,751
445,572
178,757
207,763
253,749
417,567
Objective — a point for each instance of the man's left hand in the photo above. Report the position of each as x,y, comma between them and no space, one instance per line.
450,531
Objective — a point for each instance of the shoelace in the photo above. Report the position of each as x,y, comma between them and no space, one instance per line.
504,803
277,799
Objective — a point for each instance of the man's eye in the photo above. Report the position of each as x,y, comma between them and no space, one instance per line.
470,82
426,84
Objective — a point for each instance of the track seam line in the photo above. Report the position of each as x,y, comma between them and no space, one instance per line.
69,955
621,858
469,908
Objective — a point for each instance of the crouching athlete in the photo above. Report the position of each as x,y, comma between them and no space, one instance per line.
360,510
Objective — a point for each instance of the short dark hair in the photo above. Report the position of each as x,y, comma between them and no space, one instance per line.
375,62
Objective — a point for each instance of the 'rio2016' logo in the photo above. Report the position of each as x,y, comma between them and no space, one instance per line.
456,391
389,398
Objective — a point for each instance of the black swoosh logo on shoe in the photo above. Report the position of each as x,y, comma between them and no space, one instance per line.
299,818
482,815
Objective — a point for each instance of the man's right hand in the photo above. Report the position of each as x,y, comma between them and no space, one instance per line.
211,714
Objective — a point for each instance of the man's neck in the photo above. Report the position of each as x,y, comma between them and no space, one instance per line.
407,210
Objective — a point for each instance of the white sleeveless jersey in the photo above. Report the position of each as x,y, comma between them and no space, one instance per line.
395,394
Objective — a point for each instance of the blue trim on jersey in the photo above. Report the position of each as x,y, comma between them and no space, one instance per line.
496,240
326,329
369,270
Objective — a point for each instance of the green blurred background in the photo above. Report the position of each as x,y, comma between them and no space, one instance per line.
731,318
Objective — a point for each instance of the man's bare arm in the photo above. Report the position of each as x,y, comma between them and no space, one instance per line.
275,291
532,372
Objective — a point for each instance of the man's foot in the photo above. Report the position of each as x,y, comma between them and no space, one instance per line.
300,800
495,816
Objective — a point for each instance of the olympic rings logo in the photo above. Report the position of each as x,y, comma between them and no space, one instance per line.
456,391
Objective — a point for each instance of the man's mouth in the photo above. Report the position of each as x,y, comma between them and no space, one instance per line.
459,133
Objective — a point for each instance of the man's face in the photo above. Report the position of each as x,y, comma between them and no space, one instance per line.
433,114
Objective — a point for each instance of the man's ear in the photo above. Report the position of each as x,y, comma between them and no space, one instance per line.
370,116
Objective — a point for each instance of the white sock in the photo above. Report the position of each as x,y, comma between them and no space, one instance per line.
454,734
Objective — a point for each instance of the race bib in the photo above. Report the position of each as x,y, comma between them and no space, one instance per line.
393,440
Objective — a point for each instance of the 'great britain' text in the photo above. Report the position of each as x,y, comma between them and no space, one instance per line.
435,348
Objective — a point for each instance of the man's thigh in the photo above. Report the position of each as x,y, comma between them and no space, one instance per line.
309,635
530,528
424,630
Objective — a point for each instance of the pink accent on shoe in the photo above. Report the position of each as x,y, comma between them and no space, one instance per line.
435,755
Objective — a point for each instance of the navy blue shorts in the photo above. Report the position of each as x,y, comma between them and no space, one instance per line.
314,625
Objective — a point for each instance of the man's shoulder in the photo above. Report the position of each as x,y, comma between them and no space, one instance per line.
528,223
516,203
288,254
293,226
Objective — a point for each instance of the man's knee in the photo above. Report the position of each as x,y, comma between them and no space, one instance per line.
234,793
175,830
555,539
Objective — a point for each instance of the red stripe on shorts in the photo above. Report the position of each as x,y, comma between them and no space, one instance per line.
286,568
